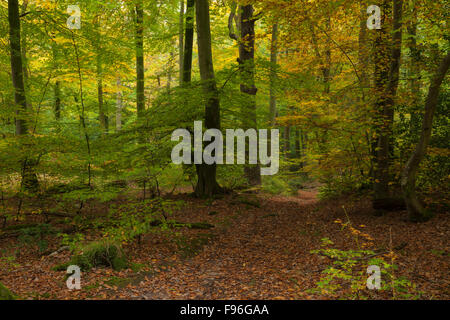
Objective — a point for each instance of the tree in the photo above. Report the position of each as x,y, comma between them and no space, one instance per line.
248,88
207,184
408,181
246,39
99,70
181,41
29,177
140,90
387,79
273,74
188,42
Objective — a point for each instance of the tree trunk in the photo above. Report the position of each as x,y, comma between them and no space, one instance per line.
140,93
247,87
387,65
181,41
207,184
414,67
287,141
26,75
188,42
57,86
101,111
29,178
273,74
408,182
298,137
17,68
57,100
119,105
363,54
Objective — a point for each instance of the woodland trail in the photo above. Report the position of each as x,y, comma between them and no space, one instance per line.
266,252
255,258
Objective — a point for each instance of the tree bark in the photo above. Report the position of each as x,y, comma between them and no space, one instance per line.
29,178
387,64
287,141
247,87
188,42
408,181
140,90
17,67
119,105
207,184
57,100
99,66
181,41
273,74
414,66
363,54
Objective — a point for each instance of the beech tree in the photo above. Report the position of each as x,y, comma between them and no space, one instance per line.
207,184
29,177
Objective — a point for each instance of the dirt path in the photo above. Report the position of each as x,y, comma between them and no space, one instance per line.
251,260
265,253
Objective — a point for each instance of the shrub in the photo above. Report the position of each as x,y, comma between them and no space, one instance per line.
274,185
36,236
347,273
98,254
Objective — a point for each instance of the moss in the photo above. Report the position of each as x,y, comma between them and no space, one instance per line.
98,254
5,294
66,188
251,201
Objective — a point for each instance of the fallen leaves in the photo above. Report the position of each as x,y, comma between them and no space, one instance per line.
249,257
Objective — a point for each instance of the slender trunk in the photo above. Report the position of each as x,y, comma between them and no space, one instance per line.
169,73
57,100
207,184
101,111
140,91
327,69
119,105
408,181
304,147
188,42
363,54
414,69
298,150
273,74
181,41
57,86
26,74
287,141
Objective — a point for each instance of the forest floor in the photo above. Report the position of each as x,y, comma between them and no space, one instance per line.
258,250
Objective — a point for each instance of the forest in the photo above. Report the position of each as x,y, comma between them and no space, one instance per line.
224,149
